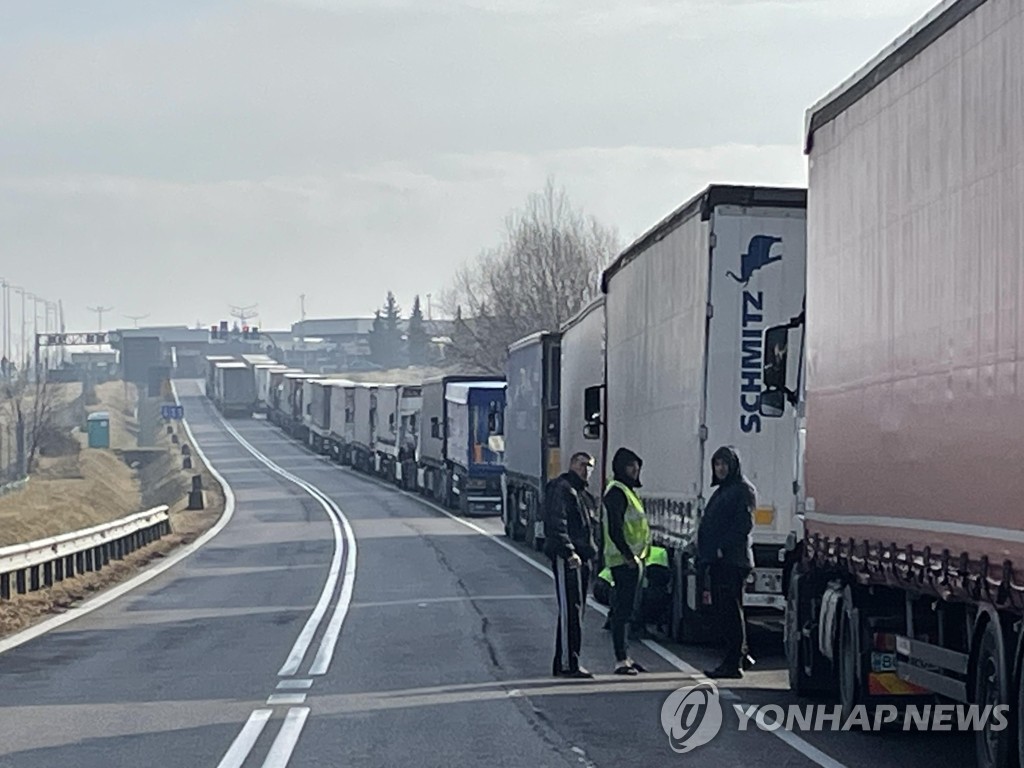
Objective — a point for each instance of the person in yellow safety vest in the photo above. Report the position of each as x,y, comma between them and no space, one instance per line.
657,557
627,541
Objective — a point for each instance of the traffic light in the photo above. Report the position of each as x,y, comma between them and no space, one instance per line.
213,333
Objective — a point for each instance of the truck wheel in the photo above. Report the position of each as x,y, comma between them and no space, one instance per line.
531,522
991,687
851,691
798,654
688,626
507,513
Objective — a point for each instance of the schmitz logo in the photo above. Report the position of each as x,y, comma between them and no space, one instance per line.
758,256
691,717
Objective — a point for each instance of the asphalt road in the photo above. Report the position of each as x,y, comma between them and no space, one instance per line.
232,657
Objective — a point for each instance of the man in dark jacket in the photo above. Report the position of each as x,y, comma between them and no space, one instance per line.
569,542
724,549
627,540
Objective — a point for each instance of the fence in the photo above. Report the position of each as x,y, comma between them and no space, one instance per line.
37,564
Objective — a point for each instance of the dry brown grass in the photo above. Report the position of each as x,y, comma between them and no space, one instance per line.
63,496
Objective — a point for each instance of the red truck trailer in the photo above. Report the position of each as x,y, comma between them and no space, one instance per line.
910,376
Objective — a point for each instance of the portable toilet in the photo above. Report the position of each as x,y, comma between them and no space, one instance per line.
99,429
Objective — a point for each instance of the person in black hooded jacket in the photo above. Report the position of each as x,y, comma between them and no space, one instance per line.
724,548
626,544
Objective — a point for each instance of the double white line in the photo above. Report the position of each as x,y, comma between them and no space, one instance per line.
344,553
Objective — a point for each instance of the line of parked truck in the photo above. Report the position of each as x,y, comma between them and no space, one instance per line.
858,342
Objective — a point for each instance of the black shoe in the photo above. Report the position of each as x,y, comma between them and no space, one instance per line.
626,670
577,674
724,672
638,666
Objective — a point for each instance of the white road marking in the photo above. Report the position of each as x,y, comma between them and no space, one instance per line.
342,542
283,746
322,661
246,739
286,698
293,685
143,576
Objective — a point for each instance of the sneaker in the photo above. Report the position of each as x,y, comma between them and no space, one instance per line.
577,674
724,672
637,666
625,668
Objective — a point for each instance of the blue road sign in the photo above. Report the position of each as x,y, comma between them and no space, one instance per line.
172,412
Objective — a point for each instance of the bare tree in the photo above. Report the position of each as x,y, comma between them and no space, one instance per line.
33,409
547,268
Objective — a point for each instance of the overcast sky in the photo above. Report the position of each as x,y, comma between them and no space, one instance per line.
173,157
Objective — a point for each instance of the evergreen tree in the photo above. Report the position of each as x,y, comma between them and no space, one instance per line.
386,336
417,336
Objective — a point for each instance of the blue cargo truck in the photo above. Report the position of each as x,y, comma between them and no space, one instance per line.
461,455
533,428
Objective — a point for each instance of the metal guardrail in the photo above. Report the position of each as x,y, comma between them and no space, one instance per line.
37,564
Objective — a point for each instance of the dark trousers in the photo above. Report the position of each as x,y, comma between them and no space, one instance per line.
571,592
727,582
625,594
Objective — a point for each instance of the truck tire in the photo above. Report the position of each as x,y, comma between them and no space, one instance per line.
849,683
687,625
532,540
991,686
802,653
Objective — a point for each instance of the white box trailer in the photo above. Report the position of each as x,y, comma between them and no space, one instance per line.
398,411
582,361
320,413
262,372
364,426
685,308
279,409
342,430
234,388
211,372
385,437
295,392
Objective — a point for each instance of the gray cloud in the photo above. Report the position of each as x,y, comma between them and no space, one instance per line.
243,152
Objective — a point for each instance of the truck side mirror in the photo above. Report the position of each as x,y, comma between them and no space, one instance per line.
774,392
492,419
592,412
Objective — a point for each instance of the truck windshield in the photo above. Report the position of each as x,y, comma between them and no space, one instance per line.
486,428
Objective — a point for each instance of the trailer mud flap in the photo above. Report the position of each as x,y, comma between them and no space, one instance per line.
831,603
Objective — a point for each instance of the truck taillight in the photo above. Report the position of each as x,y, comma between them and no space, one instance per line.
885,642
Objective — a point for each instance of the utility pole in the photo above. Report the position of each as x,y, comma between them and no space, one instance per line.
429,317
242,314
136,318
22,350
302,305
100,311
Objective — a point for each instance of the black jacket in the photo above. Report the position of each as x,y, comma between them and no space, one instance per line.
615,501
727,522
568,524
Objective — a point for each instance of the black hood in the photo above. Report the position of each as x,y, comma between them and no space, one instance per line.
735,472
624,457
